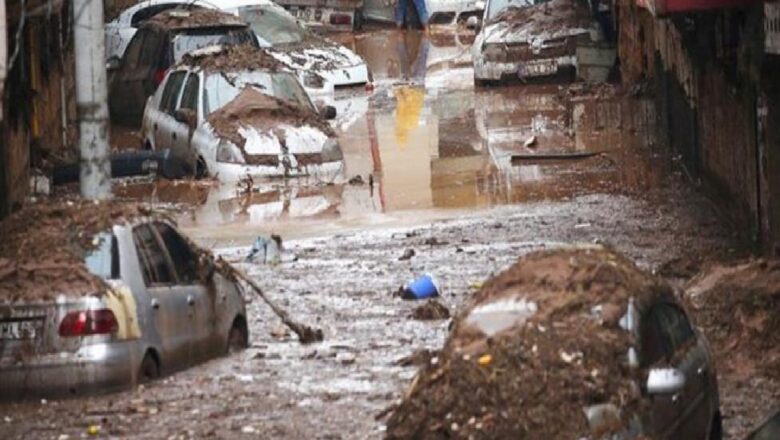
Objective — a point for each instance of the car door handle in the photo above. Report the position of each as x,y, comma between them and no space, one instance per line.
190,300
155,303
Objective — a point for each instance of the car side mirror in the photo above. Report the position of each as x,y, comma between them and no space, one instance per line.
665,381
185,116
112,63
328,112
473,22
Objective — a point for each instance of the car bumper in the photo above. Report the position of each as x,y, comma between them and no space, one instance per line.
93,368
495,71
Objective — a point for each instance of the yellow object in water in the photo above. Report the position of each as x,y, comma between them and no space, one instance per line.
407,112
93,430
485,360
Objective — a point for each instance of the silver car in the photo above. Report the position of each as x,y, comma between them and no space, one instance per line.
163,310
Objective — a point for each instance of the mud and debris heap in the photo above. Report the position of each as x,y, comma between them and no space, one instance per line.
540,343
44,247
252,108
548,16
233,58
738,308
193,18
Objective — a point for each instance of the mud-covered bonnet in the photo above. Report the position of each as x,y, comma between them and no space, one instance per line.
539,344
548,20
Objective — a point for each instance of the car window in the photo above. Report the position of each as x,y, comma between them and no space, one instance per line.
184,259
272,24
190,40
220,88
675,325
133,51
152,258
171,91
652,341
150,53
103,260
495,7
189,96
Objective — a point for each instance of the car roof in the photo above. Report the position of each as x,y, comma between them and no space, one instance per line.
185,19
126,14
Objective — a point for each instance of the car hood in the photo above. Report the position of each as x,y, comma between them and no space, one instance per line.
282,139
550,20
317,54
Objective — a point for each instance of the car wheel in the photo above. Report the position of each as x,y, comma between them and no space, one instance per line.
150,367
238,338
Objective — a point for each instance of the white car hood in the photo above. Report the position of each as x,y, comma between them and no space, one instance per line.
514,33
282,140
317,55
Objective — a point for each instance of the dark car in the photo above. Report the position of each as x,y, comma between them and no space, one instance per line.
160,43
770,430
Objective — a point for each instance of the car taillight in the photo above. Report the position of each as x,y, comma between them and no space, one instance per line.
340,19
88,322
159,75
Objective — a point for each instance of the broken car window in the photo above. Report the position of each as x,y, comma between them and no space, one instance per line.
103,261
152,258
184,260
221,88
187,42
189,96
272,25
653,344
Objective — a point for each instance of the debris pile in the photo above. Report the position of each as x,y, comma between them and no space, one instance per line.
233,58
44,247
431,311
738,310
540,343
193,18
553,16
252,108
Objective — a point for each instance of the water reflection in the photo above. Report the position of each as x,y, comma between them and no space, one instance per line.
429,141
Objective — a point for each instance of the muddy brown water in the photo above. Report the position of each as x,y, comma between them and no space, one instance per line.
439,152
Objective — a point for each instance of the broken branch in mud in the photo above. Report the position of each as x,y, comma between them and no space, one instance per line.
305,333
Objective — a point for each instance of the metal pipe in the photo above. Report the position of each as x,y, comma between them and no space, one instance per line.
91,99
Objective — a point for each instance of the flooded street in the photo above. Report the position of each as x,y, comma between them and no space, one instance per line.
468,179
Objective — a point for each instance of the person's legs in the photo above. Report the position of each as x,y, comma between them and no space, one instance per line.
400,13
422,13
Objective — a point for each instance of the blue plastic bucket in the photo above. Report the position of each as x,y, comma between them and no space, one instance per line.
423,287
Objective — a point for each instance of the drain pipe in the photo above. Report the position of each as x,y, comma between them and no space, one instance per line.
91,99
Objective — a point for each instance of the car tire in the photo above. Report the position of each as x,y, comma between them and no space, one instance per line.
150,368
238,337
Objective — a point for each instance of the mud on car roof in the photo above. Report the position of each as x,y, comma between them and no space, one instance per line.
232,58
45,246
183,19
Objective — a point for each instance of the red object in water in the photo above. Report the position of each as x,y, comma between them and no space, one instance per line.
666,7
88,322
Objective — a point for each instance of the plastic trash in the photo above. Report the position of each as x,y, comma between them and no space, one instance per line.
423,287
266,250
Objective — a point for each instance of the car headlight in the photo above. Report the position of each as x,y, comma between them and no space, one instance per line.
331,151
229,153
494,52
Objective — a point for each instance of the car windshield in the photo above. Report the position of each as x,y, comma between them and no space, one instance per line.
187,42
220,88
103,260
495,7
271,24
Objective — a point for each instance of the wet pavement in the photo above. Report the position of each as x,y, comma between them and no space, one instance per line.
445,184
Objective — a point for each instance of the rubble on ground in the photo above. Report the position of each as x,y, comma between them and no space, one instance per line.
431,311
738,309
538,344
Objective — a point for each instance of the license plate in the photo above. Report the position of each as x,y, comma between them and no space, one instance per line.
21,329
538,68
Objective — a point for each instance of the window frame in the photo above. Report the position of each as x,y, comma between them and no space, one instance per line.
179,279
163,107
195,101
669,345
143,258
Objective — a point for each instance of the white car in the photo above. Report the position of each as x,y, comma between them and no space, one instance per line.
296,47
120,30
237,114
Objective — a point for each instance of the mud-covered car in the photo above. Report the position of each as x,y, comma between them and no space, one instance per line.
524,39
159,43
452,13
121,29
309,55
570,343
239,113
100,296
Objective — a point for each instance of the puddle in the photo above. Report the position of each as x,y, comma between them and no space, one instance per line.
435,148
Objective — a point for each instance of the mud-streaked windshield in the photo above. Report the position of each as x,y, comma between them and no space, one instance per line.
198,39
272,24
495,7
222,87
